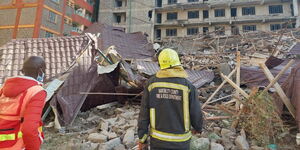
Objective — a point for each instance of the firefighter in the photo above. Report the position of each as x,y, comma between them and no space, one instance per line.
170,105
22,99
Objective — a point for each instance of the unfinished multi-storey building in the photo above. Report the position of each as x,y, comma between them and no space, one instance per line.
85,13
34,18
181,18
133,15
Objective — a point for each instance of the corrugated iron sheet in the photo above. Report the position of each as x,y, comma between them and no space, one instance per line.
296,49
198,78
289,81
255,77
147,67
273,62
60,52
128,45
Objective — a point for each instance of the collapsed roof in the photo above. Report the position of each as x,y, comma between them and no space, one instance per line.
129,45
61,53
58,52
74,61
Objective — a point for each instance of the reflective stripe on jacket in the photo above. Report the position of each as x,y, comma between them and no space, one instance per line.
170,106
11,118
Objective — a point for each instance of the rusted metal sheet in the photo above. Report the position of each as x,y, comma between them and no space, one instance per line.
254,76
295,50
273,62
197,77
289,81
291,88
147,67
128,45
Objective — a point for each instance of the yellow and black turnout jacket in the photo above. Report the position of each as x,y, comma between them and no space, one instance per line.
170,106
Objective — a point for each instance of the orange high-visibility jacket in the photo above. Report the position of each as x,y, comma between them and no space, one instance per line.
21,103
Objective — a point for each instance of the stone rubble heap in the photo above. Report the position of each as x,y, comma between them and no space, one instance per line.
208,51
117,130
222,139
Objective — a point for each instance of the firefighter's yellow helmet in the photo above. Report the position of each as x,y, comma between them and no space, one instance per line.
168,58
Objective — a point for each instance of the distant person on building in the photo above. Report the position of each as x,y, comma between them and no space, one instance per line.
22,99
170,105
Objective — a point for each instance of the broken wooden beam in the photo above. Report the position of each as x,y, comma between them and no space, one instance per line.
286,67
235,86
219,99
102,93
218,89
217,117
279,90
238,77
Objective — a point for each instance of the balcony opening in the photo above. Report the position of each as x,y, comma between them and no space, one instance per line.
205,30
248,28
205,14
119,3
88,16
275,9
78,11
248,11
158,3
52,17
235,30
192,31
158,18
172,16
274,27
292,9
170,2
220,30
171,32
118,18
158,34
193,14
288,25
193,1
150,12
219,12
233,12
68,21
76,27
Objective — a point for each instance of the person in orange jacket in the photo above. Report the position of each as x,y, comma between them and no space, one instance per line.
22,99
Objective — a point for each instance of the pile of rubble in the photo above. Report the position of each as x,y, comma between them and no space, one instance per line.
221,138
114,128
210,50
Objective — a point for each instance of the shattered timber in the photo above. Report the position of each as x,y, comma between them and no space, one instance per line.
247,83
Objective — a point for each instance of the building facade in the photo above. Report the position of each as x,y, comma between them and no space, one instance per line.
181,18
84,15
35,18
133,15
